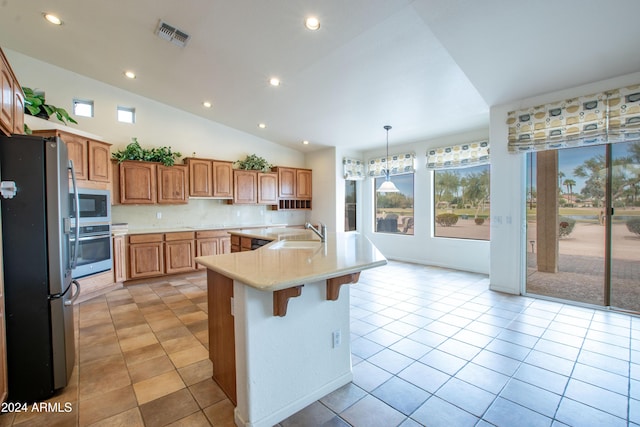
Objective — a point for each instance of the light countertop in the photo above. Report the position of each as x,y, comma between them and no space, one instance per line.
287,262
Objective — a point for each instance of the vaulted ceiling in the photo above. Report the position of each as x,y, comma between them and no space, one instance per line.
426,67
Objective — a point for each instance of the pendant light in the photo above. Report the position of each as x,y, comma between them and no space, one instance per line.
387,186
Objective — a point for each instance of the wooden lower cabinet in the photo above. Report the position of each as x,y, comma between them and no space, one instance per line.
179,252
146,255
212,242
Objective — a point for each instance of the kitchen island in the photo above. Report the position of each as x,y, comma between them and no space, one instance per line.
279,320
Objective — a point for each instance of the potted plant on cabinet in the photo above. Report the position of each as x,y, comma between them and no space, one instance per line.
35,105
253,162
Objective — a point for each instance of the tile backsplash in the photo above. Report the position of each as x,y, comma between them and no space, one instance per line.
202,213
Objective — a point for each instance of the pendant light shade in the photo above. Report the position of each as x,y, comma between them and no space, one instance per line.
387,186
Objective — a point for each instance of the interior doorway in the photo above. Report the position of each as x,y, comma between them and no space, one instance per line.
583,225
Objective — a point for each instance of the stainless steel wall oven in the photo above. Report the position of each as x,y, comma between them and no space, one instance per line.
92,242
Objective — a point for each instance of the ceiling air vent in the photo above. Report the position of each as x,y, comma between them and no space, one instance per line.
172,34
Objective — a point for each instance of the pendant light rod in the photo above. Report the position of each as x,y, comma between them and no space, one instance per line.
387,186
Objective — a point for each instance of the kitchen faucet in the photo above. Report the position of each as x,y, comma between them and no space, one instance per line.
322,233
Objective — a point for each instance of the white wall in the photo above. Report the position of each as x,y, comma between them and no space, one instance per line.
158,125
423,247
324,188
508,216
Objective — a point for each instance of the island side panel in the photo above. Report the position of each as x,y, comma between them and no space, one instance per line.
221,332
286,363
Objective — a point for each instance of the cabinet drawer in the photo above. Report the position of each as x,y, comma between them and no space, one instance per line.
146,238
245,243
182,235
235,240
211,233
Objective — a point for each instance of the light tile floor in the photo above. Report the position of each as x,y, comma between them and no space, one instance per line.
430,346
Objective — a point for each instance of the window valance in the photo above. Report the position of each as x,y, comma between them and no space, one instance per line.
458,156
600,118
397,164
353,169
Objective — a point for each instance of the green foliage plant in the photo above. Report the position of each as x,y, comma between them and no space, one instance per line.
447,219
633,225
35,105
134,151
253,162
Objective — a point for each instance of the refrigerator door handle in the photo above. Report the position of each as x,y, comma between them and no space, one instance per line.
76,213
75,295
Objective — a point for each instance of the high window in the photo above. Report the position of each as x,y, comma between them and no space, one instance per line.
126,114
394,211
83,107
461,203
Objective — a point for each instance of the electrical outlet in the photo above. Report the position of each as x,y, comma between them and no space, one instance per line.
337,338
158,215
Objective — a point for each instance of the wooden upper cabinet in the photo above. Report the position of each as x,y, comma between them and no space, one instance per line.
245,187
267,188
200,177
18,109
77,149
137,182
99,164
91,158
287,182
303,183
172,184
222,179
210,178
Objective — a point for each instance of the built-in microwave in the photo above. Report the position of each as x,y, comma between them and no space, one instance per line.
93,205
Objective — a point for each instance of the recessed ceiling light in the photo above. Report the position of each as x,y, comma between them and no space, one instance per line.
130,74
312,23
305,142
206,104
262,125
274,81
52,18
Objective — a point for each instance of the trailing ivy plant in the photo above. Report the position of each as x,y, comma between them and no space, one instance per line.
253,162
134,151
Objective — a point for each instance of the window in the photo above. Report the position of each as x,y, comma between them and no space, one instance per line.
394,211
126,114
350,205
83,107
461,202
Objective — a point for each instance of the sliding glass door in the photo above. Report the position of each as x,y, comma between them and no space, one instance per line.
583,243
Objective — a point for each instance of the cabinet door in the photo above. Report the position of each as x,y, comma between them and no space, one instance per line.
172,184
200,177
179,256
18,109
119,259
303,183
224,245
287,183
206,247
137,182
222,179
6,97
245,187
268,188
99,161
77,148
146,260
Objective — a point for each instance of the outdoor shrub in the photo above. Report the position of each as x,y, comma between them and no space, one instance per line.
566,226
447,219
479,221
633,225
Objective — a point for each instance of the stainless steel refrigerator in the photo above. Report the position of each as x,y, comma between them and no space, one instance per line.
36,241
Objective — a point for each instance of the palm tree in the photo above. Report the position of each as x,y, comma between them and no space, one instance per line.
560,176
569,183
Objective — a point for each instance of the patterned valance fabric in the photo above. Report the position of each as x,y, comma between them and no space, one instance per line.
353,169
397,164
458,156
600,118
